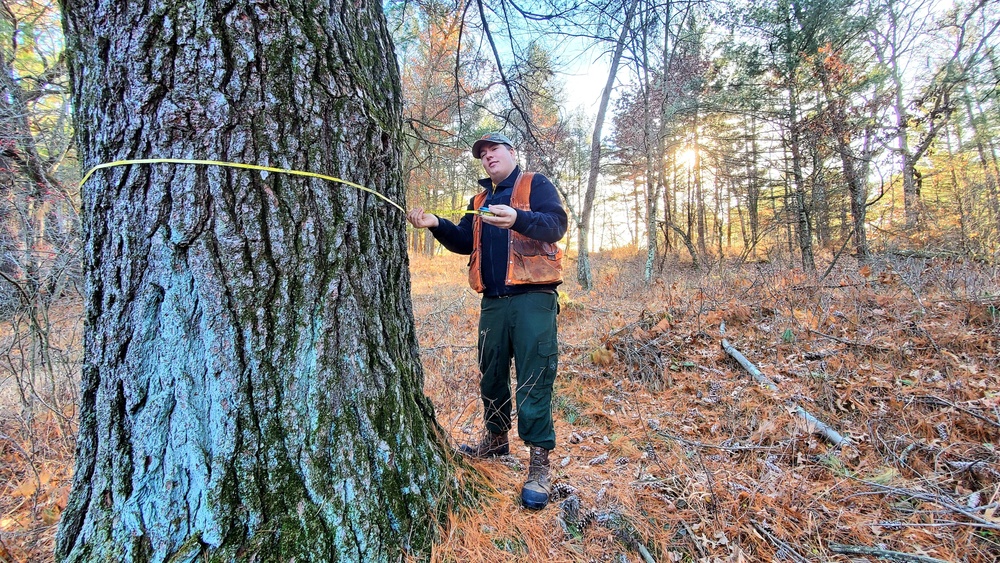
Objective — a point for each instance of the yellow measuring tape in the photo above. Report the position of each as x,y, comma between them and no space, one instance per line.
450,211
238,165
293,172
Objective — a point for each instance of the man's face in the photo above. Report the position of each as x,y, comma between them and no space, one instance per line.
498,161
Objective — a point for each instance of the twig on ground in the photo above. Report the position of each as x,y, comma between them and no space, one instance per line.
942,402
885,553
851,343
697,444
943,501
778,542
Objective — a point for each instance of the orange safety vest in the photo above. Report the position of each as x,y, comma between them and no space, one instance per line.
529,261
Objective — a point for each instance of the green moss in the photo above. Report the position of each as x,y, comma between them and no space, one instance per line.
187,550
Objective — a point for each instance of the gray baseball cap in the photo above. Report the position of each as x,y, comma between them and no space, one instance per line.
490,138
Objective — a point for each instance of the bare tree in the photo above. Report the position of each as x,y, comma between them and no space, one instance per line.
39,225
584,276
969,32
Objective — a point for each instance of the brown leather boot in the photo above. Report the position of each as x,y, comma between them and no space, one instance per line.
491,445
537,489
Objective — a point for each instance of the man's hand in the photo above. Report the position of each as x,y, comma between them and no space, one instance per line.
503,216
421,220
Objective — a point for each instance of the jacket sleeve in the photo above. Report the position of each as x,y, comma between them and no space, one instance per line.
547,219
456,238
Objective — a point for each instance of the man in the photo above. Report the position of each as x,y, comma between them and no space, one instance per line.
510,233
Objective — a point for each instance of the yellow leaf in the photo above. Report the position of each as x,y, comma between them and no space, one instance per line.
601,357
8,524
25,489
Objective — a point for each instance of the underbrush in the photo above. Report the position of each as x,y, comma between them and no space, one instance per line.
667,450
40,349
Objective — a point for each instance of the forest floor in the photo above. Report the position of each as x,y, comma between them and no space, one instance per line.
667,450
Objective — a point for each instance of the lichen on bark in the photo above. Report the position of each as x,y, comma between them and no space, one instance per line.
251,387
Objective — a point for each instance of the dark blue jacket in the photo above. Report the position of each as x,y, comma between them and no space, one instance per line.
545,222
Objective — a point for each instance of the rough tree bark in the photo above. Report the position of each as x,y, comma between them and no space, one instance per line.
251,383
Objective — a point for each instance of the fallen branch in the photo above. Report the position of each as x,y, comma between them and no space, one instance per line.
903,253
836,256
722,446
829,433
821,427
757,375
945,502
896,555
930,399
851,343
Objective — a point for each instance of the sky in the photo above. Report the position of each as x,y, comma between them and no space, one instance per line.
584,80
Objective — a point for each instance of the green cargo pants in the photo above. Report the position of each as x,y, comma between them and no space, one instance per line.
522,327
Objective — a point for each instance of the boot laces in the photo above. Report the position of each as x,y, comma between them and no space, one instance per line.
537,466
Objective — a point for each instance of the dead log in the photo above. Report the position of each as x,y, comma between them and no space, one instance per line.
829,433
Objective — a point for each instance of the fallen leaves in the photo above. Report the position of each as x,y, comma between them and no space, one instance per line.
35,463
857,357
656,425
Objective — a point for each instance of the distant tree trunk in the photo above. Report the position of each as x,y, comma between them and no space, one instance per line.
753,184
251,389
652,158
669,183
991,175
686,239
667,113
820,199
804,228
699,194
584,276
911,189
853,167
966,209
717,216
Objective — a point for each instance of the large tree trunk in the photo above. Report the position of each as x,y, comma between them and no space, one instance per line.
251,385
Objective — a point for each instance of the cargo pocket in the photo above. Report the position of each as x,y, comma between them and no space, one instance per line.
548,351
